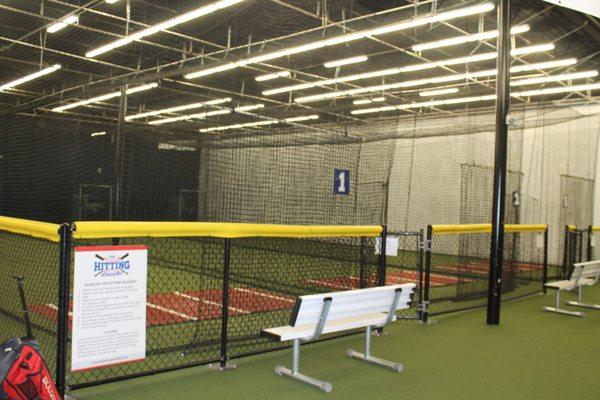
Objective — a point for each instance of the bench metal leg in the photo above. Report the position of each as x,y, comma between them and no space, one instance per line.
580,303
398,367
559,310
294,374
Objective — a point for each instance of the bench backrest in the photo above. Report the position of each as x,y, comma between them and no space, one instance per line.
350,303
586,271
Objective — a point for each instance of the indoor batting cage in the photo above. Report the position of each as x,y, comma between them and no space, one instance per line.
261,150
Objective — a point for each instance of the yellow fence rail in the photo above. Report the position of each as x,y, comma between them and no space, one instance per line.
486,228
596,228
100,230
41,230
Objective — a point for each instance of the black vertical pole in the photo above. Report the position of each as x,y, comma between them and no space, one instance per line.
428,248
565,253
589,243
225,302
383,257
502,106
62,330
420,272
363,264
119,150
580,237
545,259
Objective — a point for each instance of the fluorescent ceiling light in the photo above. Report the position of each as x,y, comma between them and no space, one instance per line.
369,101
111,1
556,90
259,123
63,23
438,92
30,77
346,61
205,114
539,48
467,38
554,78
189,117
275,75
197,13
98,134
435,80
406,24
250,107
461,100
544,65
383,72
105,97
395,71
178,108
431,103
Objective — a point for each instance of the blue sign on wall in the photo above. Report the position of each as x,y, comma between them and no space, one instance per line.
341,181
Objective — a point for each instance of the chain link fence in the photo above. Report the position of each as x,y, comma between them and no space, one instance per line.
457,265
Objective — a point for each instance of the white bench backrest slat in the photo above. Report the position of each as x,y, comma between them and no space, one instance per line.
585,271
350,303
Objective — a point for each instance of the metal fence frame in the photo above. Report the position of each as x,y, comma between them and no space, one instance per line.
70,231
472,228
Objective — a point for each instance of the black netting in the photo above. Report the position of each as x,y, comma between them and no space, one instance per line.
459,274
36,260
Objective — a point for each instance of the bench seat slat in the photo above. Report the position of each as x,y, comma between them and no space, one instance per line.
285,333
342,311
350,303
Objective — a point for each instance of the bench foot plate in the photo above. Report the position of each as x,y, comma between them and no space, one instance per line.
398,367
565,312
322,385
586,305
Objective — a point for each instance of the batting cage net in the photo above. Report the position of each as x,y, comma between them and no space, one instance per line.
457,265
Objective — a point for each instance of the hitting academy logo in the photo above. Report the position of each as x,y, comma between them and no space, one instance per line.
111,265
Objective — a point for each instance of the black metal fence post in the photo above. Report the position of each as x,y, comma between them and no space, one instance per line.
62,328
383,258
580,250
428,247
420,272
225,305
363,263
565,253
545,278
589,243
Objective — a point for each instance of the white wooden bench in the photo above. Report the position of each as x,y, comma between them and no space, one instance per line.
584,274
317,314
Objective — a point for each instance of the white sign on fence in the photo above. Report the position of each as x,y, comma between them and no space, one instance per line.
109,306
391,245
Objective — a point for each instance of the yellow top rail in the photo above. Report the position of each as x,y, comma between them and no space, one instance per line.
595,228
486,228
42,230
572,228
100,230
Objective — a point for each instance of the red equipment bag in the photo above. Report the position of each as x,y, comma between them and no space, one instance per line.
23,372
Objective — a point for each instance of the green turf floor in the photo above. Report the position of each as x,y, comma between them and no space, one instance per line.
532,355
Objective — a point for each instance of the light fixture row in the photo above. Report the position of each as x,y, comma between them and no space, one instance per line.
472,99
